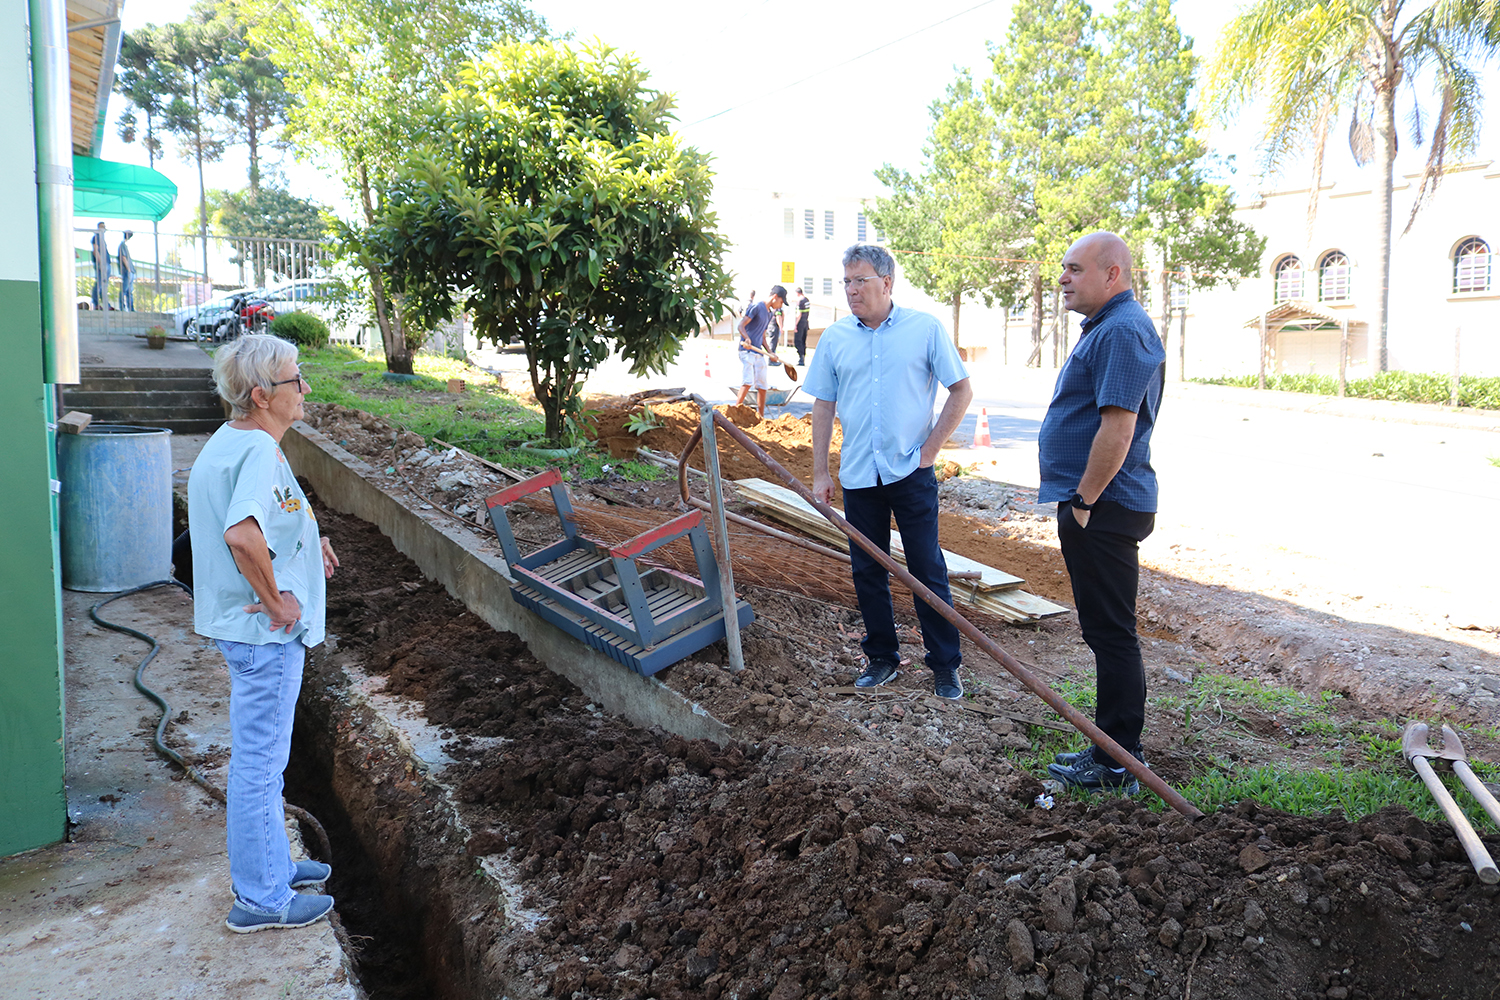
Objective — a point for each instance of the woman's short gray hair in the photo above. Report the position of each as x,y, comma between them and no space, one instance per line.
877,257
246,362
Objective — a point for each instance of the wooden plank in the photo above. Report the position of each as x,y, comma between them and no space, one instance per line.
786,506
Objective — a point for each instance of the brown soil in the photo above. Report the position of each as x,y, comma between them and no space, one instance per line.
869,846
910,861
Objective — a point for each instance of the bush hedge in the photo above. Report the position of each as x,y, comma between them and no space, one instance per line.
301,328
1405,387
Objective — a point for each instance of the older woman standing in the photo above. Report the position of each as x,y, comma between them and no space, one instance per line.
258,572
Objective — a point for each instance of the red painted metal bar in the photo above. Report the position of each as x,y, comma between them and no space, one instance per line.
1017,669
650,539
525,488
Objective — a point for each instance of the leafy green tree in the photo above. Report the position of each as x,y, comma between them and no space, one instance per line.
1048,107
1156,163
554,202
247,91
271,229
149,82
1314,63
952,220
367,76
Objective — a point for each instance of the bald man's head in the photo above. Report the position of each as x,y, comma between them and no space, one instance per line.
1095,269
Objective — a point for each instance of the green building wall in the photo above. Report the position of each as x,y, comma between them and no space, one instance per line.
33,806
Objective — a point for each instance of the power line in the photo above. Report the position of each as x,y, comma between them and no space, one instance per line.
846,62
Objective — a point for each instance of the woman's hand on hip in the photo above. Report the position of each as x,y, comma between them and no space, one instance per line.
284,617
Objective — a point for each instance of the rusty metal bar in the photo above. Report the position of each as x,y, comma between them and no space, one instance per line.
1018,670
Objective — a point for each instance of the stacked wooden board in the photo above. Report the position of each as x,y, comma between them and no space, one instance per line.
995,592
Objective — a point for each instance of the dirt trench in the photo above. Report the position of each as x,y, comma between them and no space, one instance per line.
819,860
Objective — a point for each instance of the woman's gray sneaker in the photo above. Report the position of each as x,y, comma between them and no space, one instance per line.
300,912
310,873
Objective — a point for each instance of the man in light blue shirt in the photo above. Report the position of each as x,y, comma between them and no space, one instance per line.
879,369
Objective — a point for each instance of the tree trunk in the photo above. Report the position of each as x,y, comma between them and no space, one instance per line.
957,301
202,191
397,357
1385,166
1035,361
252,140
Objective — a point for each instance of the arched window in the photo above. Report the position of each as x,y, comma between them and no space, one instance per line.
1288,278
1471,266
1333,277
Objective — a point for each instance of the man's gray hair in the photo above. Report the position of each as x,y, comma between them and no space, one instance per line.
246,362
877,257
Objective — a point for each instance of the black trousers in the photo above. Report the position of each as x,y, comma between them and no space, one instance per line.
799,341
1104,563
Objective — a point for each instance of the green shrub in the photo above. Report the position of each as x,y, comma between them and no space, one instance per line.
1404,387
301,328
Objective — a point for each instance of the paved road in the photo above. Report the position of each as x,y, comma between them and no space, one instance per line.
1383,487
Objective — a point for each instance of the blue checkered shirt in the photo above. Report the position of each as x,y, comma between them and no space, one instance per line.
884,382
1118,361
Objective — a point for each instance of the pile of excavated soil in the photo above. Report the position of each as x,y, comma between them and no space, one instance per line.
898,853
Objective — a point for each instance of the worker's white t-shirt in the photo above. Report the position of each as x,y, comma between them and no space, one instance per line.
242,474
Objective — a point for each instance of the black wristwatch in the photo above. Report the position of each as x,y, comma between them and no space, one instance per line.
1077,503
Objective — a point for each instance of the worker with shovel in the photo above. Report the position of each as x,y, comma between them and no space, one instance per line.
753,353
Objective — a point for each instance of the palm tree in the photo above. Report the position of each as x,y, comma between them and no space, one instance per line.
1317,62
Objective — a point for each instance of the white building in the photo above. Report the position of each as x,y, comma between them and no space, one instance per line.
1318,278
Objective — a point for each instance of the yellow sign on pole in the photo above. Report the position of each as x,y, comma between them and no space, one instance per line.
788,271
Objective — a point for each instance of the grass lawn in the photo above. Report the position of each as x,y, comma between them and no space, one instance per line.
484,419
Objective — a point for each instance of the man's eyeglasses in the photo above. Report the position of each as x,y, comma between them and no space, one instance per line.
299,380
859,282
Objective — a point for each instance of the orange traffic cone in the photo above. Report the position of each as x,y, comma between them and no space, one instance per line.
982,429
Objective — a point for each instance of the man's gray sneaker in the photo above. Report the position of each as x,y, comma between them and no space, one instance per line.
310,873
300,912
1092,775
877,673
1069,759
946,683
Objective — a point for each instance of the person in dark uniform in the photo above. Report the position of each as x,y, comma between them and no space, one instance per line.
799,336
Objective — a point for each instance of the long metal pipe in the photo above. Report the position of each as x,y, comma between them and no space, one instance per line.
1018,670
51,107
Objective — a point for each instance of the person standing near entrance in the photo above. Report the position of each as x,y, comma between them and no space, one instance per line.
879,370
100,251
127,273
799,336
1095,458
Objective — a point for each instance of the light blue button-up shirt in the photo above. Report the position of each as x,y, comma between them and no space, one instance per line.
884,382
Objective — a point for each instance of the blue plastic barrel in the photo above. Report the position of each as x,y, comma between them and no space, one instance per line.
115,509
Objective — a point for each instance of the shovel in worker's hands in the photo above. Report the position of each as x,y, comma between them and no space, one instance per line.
1416,751
790,369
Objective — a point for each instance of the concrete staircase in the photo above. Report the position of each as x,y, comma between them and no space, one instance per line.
182,400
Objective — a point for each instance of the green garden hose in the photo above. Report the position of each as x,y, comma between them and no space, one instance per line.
217,793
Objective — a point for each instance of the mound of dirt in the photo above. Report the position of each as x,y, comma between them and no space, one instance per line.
893,853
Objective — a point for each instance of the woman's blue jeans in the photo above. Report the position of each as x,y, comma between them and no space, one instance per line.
263,684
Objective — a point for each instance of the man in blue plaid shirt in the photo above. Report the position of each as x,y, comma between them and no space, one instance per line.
1095,453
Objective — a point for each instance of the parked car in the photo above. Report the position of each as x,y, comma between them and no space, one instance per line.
244,311
188,319
323,298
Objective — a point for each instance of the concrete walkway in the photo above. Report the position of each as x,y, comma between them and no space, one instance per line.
133,904
97,350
